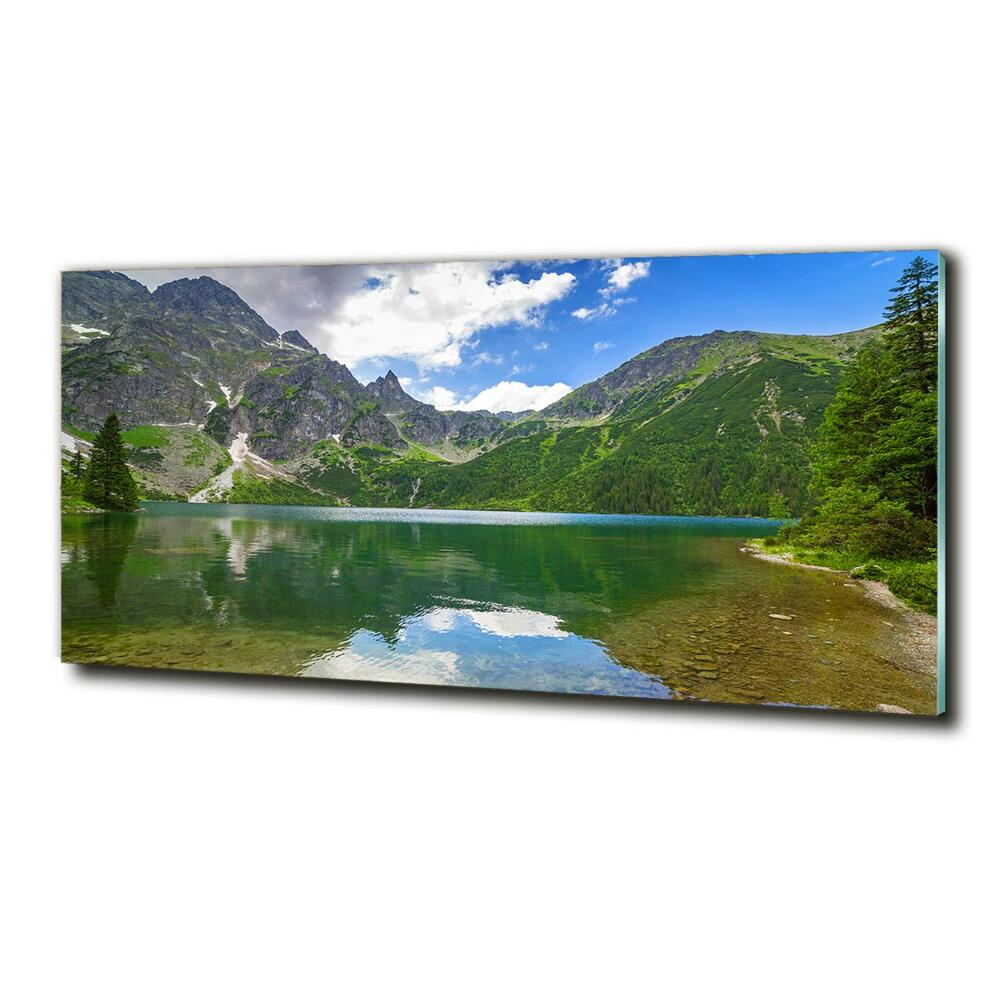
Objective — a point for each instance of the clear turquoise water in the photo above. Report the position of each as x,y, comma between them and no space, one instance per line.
651,607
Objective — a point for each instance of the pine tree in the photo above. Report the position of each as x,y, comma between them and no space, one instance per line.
905,456
911,324
845,448
76,467
108,482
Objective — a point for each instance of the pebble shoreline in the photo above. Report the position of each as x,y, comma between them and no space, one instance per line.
921,628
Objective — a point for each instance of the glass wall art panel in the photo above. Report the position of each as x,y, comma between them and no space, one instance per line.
709,478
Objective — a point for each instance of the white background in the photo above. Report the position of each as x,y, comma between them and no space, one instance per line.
198,838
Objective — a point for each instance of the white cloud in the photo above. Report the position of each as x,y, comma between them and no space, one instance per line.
505,395
550,262
619,277
516,396
622,275
602,345
602,311
405,381
485,358
542,345
522,369
438,396
427,313
881,261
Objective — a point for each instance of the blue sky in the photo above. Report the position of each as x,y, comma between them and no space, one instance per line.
516,335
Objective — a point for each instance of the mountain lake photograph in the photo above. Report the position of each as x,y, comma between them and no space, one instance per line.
709,478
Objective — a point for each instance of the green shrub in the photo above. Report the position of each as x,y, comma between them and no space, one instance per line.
859,520
915,582
868,571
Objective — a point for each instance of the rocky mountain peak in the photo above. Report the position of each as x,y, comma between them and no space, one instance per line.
390,393
209,301
196,294
100,296
292,338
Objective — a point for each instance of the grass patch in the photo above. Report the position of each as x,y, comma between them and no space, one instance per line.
423,454
374,453
71,498
146,436
327,448
78,433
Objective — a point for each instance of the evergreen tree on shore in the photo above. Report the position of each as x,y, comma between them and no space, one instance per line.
911,325
874,465
108,482
76,467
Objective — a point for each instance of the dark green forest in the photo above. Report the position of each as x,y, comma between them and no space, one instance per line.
874,466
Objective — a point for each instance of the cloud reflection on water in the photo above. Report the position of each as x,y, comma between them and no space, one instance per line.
485,646
509,622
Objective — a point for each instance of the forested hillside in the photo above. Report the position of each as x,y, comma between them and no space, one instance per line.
726,433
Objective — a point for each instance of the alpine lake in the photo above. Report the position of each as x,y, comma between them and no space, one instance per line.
635,606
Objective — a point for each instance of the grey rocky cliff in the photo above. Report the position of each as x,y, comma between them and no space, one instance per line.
161,357
292,338
423,424
287,407
193,352
100,298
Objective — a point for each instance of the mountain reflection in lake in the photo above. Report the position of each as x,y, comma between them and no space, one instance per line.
634,606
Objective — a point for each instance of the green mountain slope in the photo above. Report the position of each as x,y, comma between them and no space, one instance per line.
714,425
678,364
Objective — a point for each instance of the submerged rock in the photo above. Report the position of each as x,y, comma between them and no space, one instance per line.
893,709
